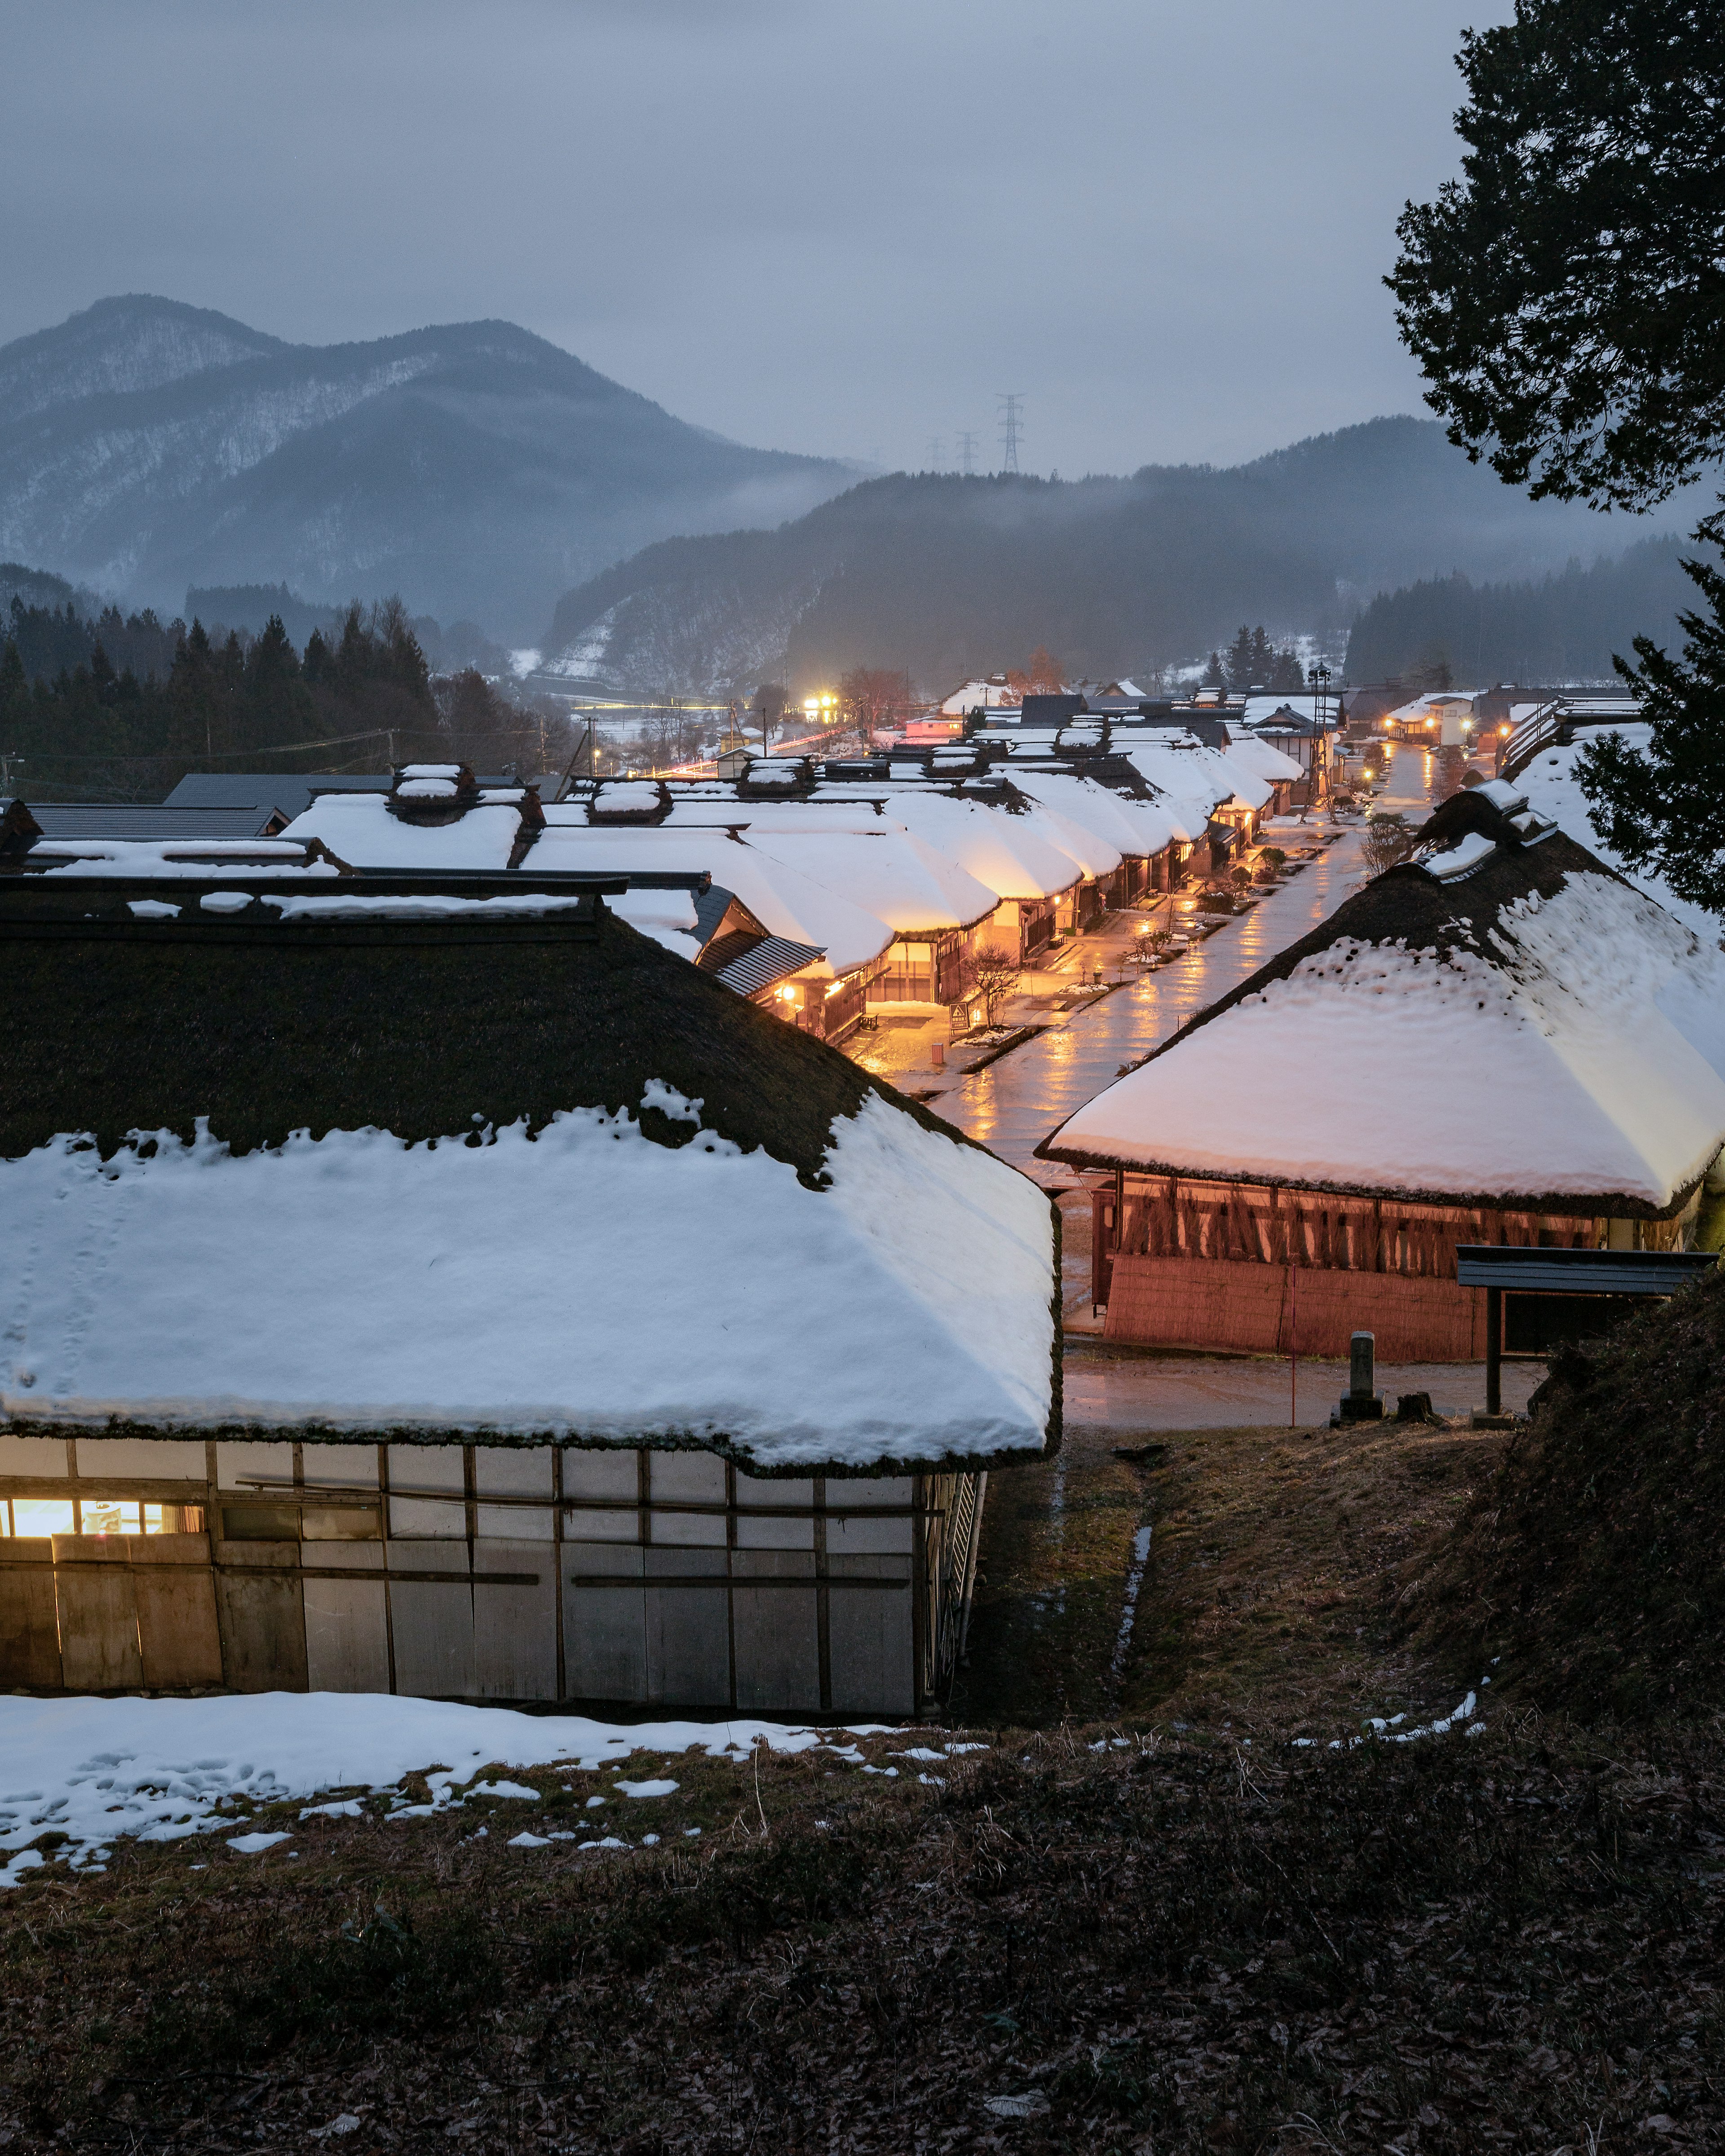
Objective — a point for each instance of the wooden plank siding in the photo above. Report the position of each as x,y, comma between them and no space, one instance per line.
626,1578
1182,1262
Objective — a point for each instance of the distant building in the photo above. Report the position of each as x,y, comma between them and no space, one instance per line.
1499,1041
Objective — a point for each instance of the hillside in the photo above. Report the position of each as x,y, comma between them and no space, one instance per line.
1563,628
1590,1565
473,468
946,575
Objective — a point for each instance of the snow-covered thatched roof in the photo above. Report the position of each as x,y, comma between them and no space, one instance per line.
424,1165
1501,1020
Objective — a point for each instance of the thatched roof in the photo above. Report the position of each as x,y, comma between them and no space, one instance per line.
1501,1020
421,1160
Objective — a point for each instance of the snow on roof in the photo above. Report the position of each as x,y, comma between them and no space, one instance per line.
1185,772
1090,807
1261,757
179,857
668,917
628,797
1539,1033
785,901
889,870
514,1288
1006,853
358,829
431,771
1550,784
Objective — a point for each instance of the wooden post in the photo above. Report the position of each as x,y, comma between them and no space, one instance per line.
1494,1351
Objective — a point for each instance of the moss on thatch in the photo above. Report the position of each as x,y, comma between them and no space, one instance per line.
1592,1570
423,1028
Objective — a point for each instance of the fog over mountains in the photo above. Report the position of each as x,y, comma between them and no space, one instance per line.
475,469
948,575
489,478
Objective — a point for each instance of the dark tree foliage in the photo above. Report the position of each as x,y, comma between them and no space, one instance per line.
86,726
1566,297
1658,808
1251,661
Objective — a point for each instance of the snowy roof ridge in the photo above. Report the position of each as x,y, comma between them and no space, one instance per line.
1540,981
417,1179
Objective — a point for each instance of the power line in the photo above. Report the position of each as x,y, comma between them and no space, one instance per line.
966,455
1012,426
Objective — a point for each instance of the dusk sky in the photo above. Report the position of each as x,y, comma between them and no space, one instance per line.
810,226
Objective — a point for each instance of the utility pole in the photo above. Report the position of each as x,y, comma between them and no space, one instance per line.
1012,426
966,455
8,757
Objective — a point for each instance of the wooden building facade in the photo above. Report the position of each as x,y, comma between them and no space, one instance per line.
542,1574
440,1338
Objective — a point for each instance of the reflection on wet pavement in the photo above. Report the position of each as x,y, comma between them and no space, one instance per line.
1014,1104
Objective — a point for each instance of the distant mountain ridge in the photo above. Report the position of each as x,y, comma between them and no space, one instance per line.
948,575
476,468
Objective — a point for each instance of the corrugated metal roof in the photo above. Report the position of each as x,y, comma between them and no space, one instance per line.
109,820
774,958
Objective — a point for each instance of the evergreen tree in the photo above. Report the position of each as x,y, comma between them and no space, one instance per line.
1213,676
1658,808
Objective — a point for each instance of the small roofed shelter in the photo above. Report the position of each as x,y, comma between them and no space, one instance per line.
431,1284
1499,1041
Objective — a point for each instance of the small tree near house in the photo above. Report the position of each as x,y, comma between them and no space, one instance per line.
992,972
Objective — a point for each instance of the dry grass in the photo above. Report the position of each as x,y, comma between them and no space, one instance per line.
1267,1598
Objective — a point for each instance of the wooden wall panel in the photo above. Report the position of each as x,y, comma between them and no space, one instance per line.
29,1624
1236,1305
346,1621
263,1619
869,1629
179,1640
688,1629
776,1633
514,1629
98,1614
605,1628
432,1623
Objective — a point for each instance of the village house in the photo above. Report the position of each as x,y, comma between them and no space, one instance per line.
1497,1041
428,1284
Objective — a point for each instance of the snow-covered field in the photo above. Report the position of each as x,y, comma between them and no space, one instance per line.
94,1769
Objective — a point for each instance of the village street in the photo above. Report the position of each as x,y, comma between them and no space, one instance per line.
1013,1103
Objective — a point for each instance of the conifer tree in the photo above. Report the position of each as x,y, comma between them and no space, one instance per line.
1659,807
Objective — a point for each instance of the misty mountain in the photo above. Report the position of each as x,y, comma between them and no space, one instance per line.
949,576
1561,628
474,468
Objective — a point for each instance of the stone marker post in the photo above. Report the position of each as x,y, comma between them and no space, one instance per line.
1360,1403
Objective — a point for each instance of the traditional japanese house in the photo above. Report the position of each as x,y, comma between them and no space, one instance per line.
1497,1041
430,1285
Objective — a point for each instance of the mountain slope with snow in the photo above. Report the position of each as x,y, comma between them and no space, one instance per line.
473,467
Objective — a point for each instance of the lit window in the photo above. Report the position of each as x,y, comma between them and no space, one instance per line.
109,1515
42,1516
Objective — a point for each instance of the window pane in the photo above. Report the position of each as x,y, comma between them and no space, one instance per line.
42,1516
5,1515
109,1515
153,1520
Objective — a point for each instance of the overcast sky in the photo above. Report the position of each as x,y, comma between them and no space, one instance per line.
835,227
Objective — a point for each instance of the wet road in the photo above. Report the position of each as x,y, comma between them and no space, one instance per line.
1014,1104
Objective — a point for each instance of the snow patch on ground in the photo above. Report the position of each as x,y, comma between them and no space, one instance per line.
94,1769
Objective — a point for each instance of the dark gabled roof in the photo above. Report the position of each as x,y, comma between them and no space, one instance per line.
417,1026
291,792
109,820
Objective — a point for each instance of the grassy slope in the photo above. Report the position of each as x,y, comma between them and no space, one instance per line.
1502,1941
1594,1564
